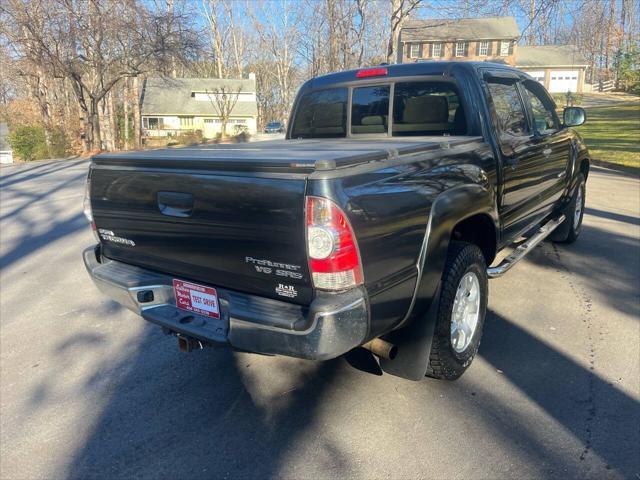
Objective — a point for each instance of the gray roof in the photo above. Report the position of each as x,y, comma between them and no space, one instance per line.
4,133
488,28
172,96
550,56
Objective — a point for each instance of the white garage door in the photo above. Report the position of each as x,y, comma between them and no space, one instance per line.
537,75
563,81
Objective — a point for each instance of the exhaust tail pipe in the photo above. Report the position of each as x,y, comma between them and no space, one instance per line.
188,344
381,348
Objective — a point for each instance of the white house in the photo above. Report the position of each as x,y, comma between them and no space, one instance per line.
171,106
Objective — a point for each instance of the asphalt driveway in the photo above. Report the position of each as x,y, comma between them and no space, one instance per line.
89,390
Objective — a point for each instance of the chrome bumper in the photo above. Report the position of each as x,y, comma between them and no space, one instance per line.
332,325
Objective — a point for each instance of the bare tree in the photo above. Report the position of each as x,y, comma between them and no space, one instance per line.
223,99
278,35
94,44
226,39
400,11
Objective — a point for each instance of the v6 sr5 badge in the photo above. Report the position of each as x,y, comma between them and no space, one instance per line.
278,269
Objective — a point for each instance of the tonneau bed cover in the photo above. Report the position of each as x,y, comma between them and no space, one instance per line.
303,156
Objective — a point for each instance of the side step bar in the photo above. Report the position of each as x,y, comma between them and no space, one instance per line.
524,248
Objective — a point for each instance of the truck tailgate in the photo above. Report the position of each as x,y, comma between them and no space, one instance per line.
237,230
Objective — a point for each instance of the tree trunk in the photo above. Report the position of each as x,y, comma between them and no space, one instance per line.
610,34
126,114
113,120
531,37
223,129
94,140
396,25
137,127
105,120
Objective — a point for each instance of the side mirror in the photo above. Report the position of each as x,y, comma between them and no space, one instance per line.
573,116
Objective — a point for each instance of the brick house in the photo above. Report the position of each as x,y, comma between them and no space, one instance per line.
479,39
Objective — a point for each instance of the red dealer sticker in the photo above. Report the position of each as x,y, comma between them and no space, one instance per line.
196,298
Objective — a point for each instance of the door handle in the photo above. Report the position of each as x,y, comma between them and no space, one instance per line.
175,204
546,152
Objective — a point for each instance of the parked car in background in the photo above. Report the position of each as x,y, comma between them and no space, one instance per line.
374,223
274,127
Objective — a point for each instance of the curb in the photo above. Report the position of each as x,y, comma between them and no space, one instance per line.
633,171
44,160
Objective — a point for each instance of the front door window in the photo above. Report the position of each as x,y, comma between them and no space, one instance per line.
545,120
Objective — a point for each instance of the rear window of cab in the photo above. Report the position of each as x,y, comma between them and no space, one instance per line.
418,108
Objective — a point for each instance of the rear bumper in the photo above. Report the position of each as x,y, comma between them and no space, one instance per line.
332,325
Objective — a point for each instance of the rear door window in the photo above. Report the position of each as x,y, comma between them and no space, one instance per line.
510,118
370,109
427,108
321,114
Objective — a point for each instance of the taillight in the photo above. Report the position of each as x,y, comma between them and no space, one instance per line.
86,203
333,254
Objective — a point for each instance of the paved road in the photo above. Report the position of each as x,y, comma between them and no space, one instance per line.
91,391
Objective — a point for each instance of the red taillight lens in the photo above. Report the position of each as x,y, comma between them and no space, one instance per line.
333,254
372,72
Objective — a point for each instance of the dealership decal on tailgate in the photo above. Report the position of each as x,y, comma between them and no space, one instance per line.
196,298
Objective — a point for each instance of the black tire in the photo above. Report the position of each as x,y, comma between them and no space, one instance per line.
444,361
569,230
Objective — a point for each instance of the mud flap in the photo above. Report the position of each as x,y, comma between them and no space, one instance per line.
414,345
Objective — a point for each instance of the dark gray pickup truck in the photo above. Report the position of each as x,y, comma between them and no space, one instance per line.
374,223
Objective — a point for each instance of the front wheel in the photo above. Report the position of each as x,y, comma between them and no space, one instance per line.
461,311
569,230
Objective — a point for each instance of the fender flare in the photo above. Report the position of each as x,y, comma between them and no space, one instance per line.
414,333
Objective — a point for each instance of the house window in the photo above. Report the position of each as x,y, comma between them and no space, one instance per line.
504,48
436,50
414,50
483,51
461,48
186,122
153,123
212,120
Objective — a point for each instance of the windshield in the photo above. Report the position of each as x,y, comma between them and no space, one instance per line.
274,124
427,108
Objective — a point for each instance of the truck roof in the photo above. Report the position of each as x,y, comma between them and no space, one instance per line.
442,68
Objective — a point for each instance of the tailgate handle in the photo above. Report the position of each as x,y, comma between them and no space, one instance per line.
175,204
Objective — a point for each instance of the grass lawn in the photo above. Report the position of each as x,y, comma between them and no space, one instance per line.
612,133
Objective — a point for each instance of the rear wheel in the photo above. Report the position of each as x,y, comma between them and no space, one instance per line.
461,311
